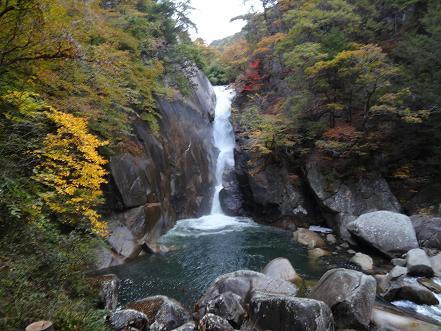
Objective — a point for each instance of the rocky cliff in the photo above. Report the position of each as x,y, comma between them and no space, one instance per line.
291,193
163,177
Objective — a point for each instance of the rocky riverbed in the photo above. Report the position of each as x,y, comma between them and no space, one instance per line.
396,288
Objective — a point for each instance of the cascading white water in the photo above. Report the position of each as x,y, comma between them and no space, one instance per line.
223,140
223,134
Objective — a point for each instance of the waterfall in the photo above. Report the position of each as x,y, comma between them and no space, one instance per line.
223,140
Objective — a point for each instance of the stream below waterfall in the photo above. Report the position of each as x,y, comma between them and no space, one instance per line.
204,248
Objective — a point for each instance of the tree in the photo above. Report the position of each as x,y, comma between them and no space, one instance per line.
30,30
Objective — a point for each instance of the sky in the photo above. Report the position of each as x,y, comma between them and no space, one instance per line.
212,17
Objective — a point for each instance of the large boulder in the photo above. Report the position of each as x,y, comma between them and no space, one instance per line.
281,268
350,295
344,199
242,283
390,233
286,313
418,263
125,319
428,230
228,306
309,238
211,322
164,313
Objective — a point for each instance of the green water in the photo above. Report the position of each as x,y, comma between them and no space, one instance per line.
208,247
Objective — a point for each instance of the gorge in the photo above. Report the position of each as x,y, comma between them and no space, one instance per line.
283,178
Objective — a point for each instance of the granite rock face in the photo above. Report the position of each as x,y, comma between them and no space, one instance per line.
350,295
343,200
428,231
161,178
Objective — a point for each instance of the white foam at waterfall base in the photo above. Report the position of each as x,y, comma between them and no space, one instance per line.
224,141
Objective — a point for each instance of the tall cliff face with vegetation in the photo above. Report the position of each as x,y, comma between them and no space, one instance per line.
81,84
345,87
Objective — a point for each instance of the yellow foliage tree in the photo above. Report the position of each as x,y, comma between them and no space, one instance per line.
72,170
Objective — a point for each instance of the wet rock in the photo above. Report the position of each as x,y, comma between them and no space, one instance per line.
428,230
393,319
364,261
399,262
122,320
228,306
242,283
343,200
230,196
190,326
418,263
317,253
405,288
435,261
286,313
430,285
390,233
165,313
281,268
330,238
351,251
211,322
309,238
350,295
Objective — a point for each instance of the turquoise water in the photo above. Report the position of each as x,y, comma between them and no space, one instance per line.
208,247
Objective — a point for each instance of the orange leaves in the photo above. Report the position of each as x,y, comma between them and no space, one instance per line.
342,133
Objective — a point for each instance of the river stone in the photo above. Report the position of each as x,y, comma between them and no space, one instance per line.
350,294
398,262
428,230
165,313
330,238
364,261
397,272
281,268
418,263
435,261
405,288
317,253
211,322
390,233
309,238
122,320
242,283
286,313
228,306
